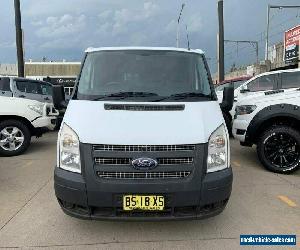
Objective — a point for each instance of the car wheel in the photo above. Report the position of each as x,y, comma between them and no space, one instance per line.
15,138
278,149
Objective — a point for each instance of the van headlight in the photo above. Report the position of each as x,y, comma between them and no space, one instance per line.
218,152
69,154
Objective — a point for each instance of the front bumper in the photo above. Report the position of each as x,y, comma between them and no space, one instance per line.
239,129
48,122
181,200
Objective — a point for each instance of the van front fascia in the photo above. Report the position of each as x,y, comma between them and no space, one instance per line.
199,195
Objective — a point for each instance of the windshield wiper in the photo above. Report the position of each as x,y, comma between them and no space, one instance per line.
123,95
185,95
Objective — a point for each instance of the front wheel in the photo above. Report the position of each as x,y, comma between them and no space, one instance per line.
15,138
278,149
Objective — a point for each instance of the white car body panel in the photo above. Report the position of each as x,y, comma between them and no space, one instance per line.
12,106
289,96
95,125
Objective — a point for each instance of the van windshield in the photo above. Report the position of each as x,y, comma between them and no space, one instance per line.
144,75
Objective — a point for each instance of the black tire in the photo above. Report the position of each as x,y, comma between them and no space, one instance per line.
22,147
278,149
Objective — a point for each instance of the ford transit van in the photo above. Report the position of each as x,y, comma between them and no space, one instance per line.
143,137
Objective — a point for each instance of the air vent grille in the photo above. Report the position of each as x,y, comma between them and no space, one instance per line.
144,175
143,148
127,161
136,107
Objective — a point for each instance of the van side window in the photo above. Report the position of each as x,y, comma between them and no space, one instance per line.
29,87
262,83
5,84
290,80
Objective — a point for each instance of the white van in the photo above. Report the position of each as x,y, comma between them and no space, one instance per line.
20,119
143,137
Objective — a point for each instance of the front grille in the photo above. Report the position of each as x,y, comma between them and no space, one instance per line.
143,175
174,161
144,148
112,161
127,161
136,107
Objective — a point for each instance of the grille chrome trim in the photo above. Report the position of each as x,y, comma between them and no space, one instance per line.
143,175
174,161
127,161
143,148
112,161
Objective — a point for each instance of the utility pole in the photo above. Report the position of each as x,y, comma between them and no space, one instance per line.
221,67
254,43
280,7
178,22
19,39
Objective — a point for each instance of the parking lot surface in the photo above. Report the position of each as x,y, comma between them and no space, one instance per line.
30,217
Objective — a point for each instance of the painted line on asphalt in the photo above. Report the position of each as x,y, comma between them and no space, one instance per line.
288,201
237,164
27,202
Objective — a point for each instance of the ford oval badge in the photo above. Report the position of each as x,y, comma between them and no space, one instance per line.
144,163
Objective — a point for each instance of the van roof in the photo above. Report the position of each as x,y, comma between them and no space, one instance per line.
198,51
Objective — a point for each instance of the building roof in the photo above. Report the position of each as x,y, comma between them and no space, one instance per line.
198,51
52,63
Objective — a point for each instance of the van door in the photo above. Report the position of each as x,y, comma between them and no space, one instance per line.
28,89
5,87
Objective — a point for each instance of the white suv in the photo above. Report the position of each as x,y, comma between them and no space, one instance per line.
271,120
20,119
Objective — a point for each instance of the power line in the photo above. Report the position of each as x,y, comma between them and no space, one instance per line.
260,40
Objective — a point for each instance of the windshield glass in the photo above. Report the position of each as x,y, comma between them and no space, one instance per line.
238,83
235,84
141,75
222,86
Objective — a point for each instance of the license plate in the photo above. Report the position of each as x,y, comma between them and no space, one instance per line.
143,202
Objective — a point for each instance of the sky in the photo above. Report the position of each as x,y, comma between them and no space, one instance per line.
63,29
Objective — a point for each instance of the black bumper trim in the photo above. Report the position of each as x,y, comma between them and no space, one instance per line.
198,214
210,199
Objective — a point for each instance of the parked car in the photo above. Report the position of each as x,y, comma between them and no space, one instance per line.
32,89
66,81
271,120
143,138
20,119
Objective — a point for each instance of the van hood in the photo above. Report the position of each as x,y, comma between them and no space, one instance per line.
96,125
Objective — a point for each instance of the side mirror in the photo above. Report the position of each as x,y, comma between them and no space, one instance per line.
58,96
228,99
244,89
